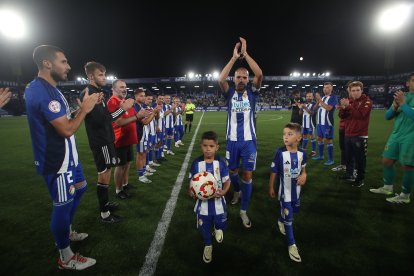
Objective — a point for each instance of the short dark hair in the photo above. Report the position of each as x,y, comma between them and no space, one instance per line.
410,76
328,83
114,83
138,91
45,52
210,135
91,66
294,126
296,91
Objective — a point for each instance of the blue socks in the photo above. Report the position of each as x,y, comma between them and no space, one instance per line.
234,178
246,194
330,151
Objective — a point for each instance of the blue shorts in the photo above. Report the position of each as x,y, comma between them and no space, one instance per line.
152,140
160,137
246,151
62,186
142,146
169,131
325,131
219,221
287,209
307,131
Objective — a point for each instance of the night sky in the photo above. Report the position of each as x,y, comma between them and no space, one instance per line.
158,39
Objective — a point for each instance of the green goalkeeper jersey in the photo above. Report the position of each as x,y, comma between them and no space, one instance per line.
403,131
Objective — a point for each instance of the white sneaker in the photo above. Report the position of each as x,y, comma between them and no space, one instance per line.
208,254
218,234
236,197
180,143
144,179
399,199
176,145
148,173
293,253
339,168
245,219
170,152
382,190
75,236
77,262
281,227
155,164
151,170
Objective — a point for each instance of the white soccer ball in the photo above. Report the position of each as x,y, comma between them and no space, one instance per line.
203,185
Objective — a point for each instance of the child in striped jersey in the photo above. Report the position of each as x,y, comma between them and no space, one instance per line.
288,168
211,212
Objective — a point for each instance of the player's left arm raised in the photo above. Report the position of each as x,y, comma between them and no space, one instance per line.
258,74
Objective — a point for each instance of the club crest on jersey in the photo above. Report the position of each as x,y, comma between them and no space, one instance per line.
286,211
113,160
54,106
72,189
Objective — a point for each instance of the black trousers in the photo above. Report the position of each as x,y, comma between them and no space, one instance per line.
342,145
356,151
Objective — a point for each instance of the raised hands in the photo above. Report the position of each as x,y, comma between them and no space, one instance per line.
89,101
5,96
127,104
399,98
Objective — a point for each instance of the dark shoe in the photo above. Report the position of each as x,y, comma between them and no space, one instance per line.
129,187
112,206
358,183
122,195
347,178
162,159
112,218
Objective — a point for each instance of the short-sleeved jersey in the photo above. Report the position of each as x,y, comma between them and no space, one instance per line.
240,114
124,135
308,119
213,206
53,153
325,117
403,131
288,166
179,117
153,124
189,108
169,119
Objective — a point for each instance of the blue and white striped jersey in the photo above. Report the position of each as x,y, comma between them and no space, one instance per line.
326,117
307,119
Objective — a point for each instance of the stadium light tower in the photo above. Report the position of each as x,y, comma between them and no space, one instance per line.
390,21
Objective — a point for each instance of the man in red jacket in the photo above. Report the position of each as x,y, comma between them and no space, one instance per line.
357,111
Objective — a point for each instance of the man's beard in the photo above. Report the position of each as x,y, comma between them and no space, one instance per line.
56,77
240,87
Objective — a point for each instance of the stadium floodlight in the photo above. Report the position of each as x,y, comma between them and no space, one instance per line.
394,17
314,74
216,74
196,86
291,74
190,75
293,85
211,86
12,24
327,74
78,78
168,87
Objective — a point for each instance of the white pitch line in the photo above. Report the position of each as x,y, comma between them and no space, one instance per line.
151,259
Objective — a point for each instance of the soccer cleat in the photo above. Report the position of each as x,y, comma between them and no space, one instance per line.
112,206
144,179
358,183
313,153
75,236
129,187
208,254
180,143
77,262
294,253
347,178
112,218
122,195
176,145
147,174
399,198
170,152
339,168
236,197
245,219
155,164
382,190
329,163
281,227
151,170
218,234
317,158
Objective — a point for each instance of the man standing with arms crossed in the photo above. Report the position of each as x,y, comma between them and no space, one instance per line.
241,133
54,147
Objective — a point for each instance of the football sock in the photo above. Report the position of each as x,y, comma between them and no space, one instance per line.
169,142
313,141
234,178
408,182
287,219
103,198
204,225
330,151
60,224
321,147
76,200
66,254
305,143
388,175
189,128
246,194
